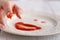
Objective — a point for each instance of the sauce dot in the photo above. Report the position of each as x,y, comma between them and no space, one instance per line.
43,22
35,20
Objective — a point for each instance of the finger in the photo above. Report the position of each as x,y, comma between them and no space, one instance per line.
1,26
8,7
17,11
5,5
1,17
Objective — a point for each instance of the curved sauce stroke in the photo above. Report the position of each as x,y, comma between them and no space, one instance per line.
26,27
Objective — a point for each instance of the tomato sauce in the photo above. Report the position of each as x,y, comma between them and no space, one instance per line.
10,15
26,27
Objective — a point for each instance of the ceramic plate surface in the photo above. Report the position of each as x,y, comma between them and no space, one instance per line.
50,27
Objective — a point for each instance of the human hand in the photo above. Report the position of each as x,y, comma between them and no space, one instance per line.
6,8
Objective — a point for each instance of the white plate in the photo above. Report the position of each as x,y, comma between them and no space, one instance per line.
51,27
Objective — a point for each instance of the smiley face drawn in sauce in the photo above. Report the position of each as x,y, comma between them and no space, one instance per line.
21,25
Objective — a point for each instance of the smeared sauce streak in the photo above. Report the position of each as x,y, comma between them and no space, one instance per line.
15,10
26,27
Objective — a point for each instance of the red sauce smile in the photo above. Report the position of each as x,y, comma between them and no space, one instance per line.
26,27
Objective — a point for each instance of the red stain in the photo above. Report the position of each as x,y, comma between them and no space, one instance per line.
26,27
10,15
